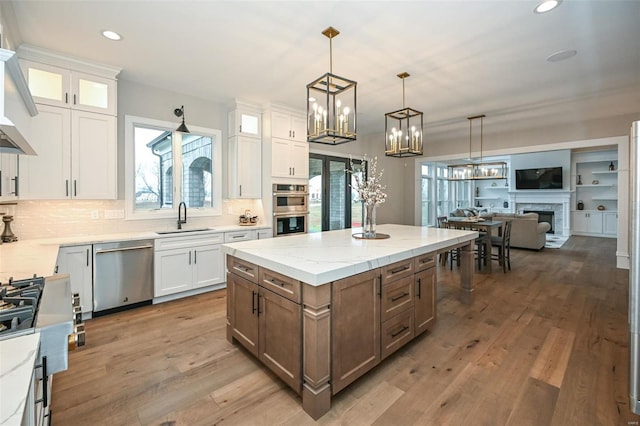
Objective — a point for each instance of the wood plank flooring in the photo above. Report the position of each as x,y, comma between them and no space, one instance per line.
544,344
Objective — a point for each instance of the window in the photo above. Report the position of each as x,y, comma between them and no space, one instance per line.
426,190
165,168
331,200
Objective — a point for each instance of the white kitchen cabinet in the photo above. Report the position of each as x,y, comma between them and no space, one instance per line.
187,262
245,167
587,222
76,156
9,184
244,235
78,263
610,223
264,233
245,120
290,159
62,87
288,126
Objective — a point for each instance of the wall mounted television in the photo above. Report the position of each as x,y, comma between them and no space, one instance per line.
541,178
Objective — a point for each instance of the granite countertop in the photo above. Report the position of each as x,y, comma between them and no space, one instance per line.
319,258
18,357
23,259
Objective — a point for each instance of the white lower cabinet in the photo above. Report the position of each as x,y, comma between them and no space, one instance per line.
77,261
187,263
587,223
264,233
610,223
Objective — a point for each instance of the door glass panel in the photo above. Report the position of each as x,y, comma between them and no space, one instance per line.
337,194
197,178
153,168
425,192
45,84
249,124
357,212
92,93
315,195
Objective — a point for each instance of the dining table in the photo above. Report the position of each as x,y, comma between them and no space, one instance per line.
485,226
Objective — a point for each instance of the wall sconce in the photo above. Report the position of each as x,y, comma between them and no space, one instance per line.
179,112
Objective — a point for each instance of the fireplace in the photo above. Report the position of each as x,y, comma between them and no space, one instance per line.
544,216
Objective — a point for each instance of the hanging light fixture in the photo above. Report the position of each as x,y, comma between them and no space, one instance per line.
179,112
331,105
403,130
477,170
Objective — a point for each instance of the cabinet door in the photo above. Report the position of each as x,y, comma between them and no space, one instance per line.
77,262
8,177
93,149
245,167
298,128
281,125
280,337
300,159
425,300
172,271
610,223
594,220
281,158
264,233
244,317
355,319
46,176
92,93
579,222
208,266
48,84
245,122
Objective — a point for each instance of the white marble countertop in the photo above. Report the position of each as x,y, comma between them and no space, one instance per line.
18,357
22,259
319,258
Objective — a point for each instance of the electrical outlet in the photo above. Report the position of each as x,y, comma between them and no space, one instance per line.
95,214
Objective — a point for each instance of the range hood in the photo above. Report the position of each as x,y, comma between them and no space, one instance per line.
16,107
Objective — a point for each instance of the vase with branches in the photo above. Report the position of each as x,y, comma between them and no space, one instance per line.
369,190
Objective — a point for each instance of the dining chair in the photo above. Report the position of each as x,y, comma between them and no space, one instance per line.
503,244
443,222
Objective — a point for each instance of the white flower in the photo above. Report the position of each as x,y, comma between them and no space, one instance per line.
369,190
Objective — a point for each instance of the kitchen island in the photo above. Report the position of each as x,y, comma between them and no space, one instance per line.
322,309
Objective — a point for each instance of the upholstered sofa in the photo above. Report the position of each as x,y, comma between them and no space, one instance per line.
526,232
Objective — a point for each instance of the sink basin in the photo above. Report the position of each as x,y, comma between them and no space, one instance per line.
181,231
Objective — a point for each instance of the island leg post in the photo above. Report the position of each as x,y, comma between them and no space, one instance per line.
466,273
316,349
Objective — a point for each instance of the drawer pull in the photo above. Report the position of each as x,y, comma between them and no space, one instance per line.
400,269
402,330
242,269
403,295
276,282
419,288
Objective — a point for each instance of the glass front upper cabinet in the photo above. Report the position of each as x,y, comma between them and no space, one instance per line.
245,122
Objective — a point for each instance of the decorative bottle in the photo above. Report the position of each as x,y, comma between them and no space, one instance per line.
611,167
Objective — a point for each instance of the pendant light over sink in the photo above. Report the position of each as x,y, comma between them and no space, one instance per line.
403,130
477,170
331,105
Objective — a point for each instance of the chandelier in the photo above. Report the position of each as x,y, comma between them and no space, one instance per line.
331,105
477,170
403,130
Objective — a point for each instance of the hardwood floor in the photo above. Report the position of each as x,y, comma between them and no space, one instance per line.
544,344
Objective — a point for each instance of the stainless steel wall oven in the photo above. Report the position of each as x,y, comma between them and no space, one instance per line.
290,209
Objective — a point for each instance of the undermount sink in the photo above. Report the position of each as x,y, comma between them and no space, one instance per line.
180,231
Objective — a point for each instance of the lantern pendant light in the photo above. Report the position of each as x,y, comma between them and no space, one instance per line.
403,130
331,105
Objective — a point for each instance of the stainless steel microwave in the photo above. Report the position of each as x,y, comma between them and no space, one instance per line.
289,199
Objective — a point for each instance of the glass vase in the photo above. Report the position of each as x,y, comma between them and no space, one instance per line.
369,220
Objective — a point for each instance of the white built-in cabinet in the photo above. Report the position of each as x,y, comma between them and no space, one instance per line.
77,261
288,126
587,222
187,263
75,130
9,184
245,151
610,223
289,158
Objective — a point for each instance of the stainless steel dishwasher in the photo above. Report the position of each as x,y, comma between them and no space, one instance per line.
122,275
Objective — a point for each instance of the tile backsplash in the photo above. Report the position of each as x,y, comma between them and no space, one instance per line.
68,218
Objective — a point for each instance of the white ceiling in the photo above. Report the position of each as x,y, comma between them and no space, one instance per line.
464,57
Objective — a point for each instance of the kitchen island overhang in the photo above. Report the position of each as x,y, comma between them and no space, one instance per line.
321,310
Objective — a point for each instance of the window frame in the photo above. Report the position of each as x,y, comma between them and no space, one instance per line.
163,213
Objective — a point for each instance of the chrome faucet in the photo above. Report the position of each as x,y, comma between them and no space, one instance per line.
182,220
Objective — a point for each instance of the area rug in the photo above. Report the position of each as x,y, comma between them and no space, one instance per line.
555,241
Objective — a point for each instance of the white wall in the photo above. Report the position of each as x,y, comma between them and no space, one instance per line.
534,160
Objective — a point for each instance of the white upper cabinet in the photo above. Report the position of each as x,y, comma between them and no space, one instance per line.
245,167
245,120
56,86
288,126
8,177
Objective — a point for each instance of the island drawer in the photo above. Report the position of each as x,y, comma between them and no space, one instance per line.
401,269
280,284
396,332
396,297
242,268
425,261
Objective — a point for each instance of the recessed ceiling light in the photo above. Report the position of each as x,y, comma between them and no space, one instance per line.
547,5
561,55
112,35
